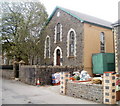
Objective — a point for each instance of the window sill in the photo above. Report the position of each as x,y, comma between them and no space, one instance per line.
58,42
69,57
46,57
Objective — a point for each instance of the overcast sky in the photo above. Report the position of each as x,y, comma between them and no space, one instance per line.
103,9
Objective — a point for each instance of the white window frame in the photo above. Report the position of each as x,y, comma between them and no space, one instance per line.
45,47
102,35
55,35
68,42
55,56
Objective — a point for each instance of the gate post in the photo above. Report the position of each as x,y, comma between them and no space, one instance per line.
21,63
109,92
64,77
20,71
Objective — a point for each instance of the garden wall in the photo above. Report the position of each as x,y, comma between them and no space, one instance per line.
93,92
30,74
6,71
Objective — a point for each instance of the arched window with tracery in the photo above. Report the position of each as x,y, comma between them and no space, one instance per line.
58,33
102,42
71,43
47,47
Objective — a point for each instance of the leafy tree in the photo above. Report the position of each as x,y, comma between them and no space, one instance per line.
21,25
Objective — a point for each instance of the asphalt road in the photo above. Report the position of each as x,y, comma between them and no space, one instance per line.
16,92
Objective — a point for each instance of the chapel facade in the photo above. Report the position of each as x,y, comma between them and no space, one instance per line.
71,38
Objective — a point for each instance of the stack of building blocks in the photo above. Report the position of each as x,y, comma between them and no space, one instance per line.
64,77
109,83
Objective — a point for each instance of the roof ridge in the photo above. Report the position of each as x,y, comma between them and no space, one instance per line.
84,14
70,13
84,18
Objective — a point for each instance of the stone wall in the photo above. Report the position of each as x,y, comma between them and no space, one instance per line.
93,92
119,49
7,73
118,46
10,71
30,74
116,30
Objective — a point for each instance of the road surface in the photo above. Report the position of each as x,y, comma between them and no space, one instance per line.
16,92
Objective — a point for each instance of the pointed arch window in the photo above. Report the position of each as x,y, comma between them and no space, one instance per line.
58,33
47,47
102,42
71,43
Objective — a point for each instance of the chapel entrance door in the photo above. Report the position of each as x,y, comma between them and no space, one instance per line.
58,57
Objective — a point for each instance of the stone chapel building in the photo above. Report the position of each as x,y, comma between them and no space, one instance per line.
72,37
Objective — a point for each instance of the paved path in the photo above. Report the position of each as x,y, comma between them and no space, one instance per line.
15,92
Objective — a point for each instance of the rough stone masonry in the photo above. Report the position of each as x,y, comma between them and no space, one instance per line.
93,92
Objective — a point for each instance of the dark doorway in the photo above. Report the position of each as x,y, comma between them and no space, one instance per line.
58,57
16,69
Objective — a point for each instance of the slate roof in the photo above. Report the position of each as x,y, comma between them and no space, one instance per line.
117,23
84,18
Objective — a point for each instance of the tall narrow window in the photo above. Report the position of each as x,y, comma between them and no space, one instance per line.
47,47
71,43
102,42
58,33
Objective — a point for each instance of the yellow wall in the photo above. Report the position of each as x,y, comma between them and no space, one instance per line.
92,43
